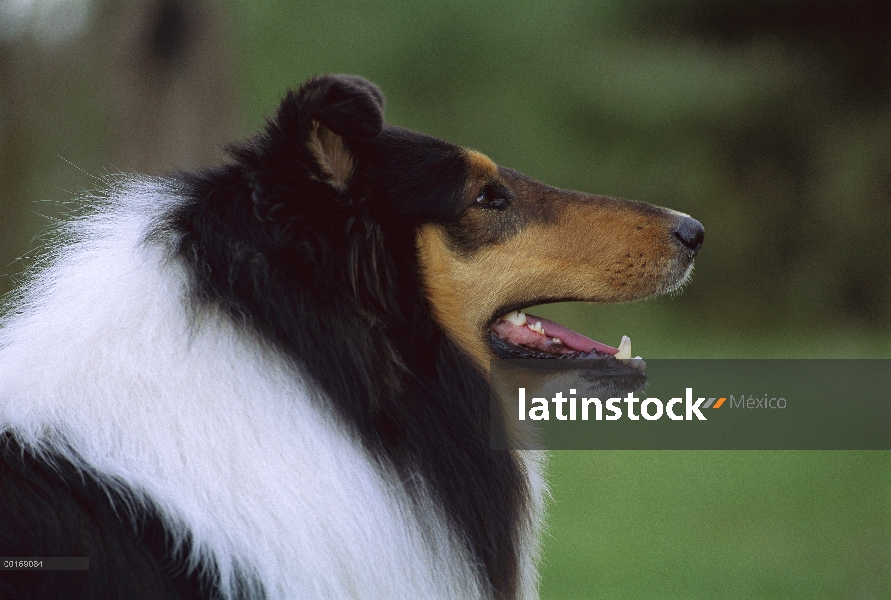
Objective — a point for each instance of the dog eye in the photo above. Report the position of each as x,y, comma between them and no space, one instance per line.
492,197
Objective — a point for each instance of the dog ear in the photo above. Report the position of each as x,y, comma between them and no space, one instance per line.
352,107
328,114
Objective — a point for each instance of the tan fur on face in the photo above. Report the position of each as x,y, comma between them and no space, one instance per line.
334,158
593,249
481,166
441,274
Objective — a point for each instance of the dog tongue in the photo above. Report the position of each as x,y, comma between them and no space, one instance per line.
570,338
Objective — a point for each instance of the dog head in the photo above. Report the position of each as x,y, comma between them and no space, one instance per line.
489,241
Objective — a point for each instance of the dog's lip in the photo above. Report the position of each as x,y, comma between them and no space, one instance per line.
555,337
509,340
505,340
522,305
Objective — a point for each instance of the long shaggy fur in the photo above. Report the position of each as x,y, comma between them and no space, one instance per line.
235,379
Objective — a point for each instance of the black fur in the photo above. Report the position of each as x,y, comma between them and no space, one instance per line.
329,276
50,507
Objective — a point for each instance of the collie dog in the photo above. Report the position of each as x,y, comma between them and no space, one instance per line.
269,379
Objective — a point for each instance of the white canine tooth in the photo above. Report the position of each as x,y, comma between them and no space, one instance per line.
556,340
624,352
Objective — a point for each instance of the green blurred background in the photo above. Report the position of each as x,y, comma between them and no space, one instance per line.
770,122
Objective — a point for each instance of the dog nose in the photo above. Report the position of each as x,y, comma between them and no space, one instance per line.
690,233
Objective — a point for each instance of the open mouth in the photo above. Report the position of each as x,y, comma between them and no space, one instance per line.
521,335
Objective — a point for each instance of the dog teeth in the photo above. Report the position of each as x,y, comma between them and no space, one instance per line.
537,328
557,340
624,352
516,318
